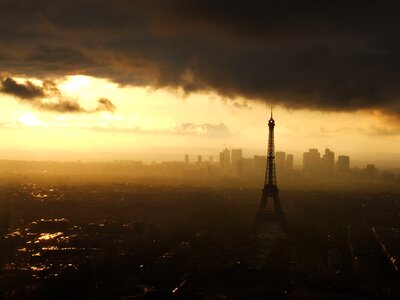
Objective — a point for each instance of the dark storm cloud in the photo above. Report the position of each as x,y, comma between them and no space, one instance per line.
24,91
65,105
38,96
301,54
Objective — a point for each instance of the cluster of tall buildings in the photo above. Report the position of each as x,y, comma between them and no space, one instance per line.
315,164
231,159
284,162
199,159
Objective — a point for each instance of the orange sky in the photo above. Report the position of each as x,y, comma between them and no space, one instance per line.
167,121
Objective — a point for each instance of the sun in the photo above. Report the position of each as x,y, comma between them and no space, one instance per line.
29,120
75,82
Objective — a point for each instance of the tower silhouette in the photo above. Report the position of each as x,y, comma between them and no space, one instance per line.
270,189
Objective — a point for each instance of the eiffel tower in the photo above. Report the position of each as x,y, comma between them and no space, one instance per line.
270,189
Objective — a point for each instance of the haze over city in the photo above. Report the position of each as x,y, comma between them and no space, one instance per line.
199,150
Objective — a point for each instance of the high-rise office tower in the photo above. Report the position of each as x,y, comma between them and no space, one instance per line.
343,164
328,163
236,158
225,159
312,161
289,162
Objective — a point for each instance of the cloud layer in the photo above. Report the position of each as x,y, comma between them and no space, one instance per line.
309,54
48,97
185,129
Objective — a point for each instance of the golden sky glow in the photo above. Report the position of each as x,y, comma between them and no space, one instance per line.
29,119
162,121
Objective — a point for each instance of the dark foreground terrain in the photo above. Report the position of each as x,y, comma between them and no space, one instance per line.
143,241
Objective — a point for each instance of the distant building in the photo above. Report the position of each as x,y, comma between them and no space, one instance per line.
280,160
343,164
225,159
289,162
248,166
240,167
199,158
328,163
236,158
260,163
312,161
370,171
187,158
211,158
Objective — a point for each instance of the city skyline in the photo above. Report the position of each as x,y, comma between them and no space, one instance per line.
186,149
210,155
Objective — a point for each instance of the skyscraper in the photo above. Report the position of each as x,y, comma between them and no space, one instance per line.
370,171
289,162
328,163
343,164
225,159
236,158
312,161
